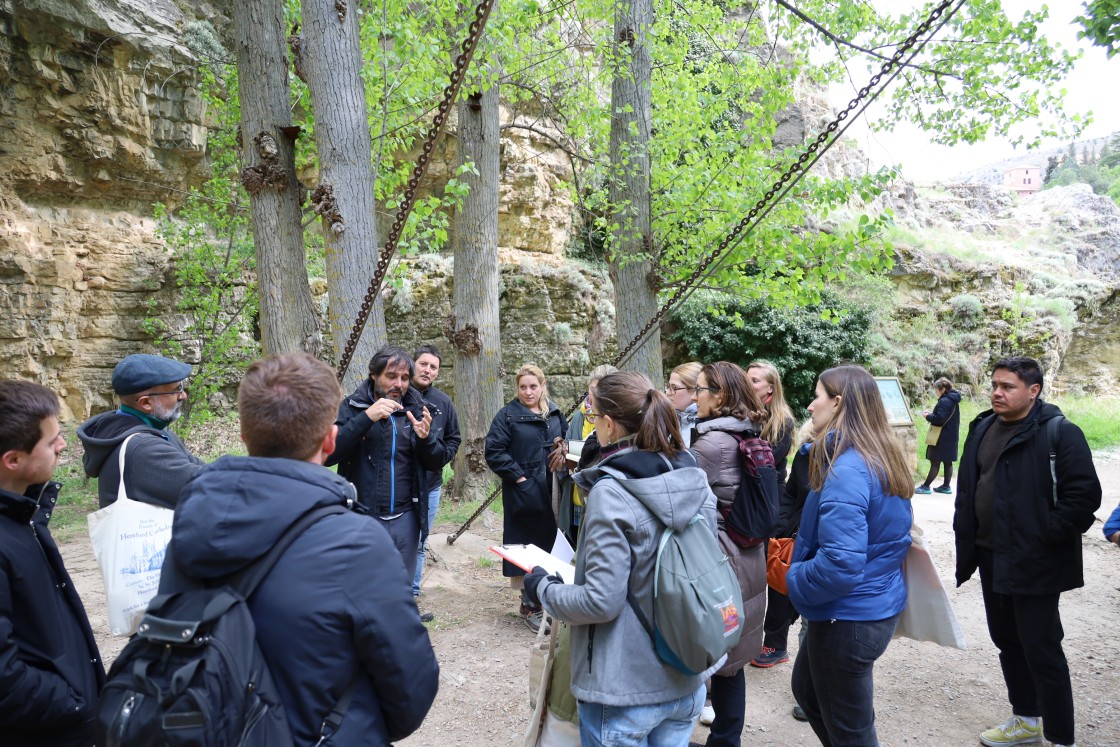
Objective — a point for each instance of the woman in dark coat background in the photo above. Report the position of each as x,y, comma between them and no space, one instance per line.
525,442
947,414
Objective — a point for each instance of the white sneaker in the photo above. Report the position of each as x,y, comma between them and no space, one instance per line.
707,715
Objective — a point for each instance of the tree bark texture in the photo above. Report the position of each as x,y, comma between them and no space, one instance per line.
332,62
474,331
632,252
289,321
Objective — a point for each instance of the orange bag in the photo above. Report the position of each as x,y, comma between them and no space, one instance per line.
779,552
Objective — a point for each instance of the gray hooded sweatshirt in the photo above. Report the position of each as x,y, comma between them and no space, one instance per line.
613,660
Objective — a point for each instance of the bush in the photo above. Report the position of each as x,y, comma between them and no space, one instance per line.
801,342
968,310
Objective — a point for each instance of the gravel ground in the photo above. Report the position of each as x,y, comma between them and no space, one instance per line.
925,695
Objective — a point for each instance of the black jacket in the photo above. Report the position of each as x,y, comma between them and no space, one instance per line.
337,605
518,444
363,449
1038,544
794,494
50,669
445,425
947,414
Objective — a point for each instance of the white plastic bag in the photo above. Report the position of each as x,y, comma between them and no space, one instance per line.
129,541
928,615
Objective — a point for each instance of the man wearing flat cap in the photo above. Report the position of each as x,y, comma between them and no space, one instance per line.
157,464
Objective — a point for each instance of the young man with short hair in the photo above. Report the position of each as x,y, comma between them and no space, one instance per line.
1022,531
50,669
336,613
445,426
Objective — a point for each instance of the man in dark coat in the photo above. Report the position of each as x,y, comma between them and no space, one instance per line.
445,426
50,669
1023,501
336,612
157,464
386,448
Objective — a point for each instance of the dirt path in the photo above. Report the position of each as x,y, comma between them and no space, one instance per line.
925,695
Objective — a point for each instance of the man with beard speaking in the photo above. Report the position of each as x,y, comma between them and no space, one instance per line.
157,464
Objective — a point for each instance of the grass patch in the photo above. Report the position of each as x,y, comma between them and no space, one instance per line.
454,513
76,499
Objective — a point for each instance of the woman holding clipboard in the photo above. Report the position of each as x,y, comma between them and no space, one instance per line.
645,481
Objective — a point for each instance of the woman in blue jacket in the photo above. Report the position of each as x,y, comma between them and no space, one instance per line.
846,574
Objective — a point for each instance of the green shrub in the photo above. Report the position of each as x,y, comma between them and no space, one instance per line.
801,342
968,310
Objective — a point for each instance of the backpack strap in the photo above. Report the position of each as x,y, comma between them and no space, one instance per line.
1052,447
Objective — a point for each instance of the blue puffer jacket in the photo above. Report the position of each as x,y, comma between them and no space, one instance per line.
336,608
847,560
1112,526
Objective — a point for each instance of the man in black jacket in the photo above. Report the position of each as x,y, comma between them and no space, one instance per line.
336,614
386,448
445,424
50,669
1024,499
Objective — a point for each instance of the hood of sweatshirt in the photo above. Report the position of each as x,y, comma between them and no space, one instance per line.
236,508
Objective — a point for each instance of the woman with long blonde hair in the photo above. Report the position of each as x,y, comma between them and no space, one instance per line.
779,425
845,577
680,389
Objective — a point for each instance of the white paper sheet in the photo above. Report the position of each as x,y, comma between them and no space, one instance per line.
526,557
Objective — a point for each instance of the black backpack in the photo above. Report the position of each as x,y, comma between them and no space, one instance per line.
193,675
753,514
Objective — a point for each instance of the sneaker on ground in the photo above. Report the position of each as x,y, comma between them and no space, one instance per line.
922,490
769,657
799,713
1012,731
943,489
534,620
707,714
427,617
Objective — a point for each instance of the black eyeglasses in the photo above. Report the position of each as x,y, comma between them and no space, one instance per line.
176,392
671,390
710,389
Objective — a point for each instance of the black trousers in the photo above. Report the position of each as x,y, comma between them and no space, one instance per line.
729,701
1027,630
780,614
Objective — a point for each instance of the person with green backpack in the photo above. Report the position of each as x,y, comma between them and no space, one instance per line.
635,669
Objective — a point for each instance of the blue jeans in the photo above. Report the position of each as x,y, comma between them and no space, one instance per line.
433,506
832,679
657,725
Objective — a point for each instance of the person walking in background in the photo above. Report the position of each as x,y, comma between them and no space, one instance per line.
729,410
50,669
1022,531
780,423
946,415
525,444
445,427
681,386
780,613
157,464
626,695
386,447
845,576
570,514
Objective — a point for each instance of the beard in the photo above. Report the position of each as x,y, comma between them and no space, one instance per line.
169,415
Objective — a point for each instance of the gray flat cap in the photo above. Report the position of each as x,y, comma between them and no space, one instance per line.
142,371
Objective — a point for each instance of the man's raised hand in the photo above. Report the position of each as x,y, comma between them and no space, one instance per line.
382,408
423,426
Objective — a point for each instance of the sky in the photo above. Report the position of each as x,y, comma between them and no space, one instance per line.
1091,87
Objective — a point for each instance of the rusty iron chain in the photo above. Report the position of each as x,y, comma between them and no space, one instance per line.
450,93
760,209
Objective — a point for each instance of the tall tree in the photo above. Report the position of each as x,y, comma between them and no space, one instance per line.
632,258
288,318
473,330
329,59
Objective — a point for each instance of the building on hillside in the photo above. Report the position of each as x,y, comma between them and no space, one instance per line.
1026,179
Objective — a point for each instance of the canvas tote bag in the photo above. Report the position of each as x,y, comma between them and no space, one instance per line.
129,540
545,728
929,614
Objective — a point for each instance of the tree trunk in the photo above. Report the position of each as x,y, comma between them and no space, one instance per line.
473,331
288,317
632,257
331,60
